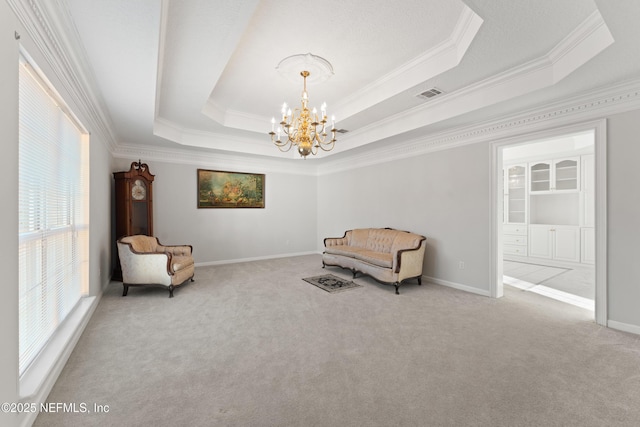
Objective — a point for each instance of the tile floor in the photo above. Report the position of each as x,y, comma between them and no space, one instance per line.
574,284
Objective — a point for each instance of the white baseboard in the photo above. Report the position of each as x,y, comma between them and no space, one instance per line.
260,258
455,285
624,327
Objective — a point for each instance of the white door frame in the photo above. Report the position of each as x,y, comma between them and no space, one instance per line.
600,150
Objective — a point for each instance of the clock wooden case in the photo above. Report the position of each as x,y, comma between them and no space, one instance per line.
133,204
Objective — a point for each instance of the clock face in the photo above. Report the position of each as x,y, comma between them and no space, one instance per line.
138,191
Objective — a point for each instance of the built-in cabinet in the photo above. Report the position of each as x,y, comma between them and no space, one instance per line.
514,241
515,194
555,175
549,209
558,242
515,210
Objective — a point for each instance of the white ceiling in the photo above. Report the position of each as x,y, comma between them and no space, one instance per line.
201,74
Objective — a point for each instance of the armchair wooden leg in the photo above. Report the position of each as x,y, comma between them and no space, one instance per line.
419,280
125,290
171,291
397,285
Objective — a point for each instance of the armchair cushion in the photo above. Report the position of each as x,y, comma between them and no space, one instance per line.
146,262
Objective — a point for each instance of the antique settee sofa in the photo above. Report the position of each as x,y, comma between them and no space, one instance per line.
388,255
146,262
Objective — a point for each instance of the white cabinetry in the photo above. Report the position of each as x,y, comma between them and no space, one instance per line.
559,242
555,175
515,193
549,208
514,241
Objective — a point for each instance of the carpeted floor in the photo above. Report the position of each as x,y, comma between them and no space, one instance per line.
254,345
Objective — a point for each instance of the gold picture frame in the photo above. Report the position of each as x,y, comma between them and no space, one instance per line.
224,189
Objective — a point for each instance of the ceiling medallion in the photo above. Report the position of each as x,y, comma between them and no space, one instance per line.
320,69
303,128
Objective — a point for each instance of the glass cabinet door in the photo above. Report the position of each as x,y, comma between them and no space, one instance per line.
517,196
541,176
566,174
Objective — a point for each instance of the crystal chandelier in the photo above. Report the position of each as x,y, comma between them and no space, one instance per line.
303,128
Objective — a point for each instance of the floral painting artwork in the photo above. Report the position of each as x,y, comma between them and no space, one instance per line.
221,189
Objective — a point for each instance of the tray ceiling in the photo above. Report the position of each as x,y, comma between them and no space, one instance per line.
202,75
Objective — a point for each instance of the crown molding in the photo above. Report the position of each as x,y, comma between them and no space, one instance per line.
442,57
593,105
167,129
583,43
217,160
50,25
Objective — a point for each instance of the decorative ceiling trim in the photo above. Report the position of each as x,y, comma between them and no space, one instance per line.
437,60
51,27
588,106
591,105
429,64
211,140
218,160
235,119
586,41
236,16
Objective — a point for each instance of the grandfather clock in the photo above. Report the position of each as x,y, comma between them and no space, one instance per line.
134,204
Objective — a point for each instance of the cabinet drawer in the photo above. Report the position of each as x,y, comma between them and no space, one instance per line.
514,239
514,250
514,229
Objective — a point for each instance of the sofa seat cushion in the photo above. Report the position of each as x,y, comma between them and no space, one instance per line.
380,259
344,250
376,258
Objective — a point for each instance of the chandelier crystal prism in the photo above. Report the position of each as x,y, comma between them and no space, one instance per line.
302,128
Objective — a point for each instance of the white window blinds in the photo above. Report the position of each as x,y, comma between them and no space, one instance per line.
53,213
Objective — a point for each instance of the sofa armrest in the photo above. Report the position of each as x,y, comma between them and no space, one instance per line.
408,262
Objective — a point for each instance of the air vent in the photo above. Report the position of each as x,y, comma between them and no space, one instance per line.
428,94
342,130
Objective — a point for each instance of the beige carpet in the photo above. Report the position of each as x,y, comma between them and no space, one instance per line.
254,345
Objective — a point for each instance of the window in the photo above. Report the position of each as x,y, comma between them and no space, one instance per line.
53,212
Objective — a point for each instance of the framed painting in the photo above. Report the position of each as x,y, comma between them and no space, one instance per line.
222,189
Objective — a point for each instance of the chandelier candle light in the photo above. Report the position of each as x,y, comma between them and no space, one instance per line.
303,128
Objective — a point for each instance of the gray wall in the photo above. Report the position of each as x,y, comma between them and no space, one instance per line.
9,223
623,215
442,195
445,196
287,224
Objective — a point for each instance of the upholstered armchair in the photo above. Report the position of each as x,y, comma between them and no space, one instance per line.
146,262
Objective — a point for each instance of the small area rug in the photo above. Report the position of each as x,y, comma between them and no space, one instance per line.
331,283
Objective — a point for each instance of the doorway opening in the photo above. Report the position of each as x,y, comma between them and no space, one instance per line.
550,217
